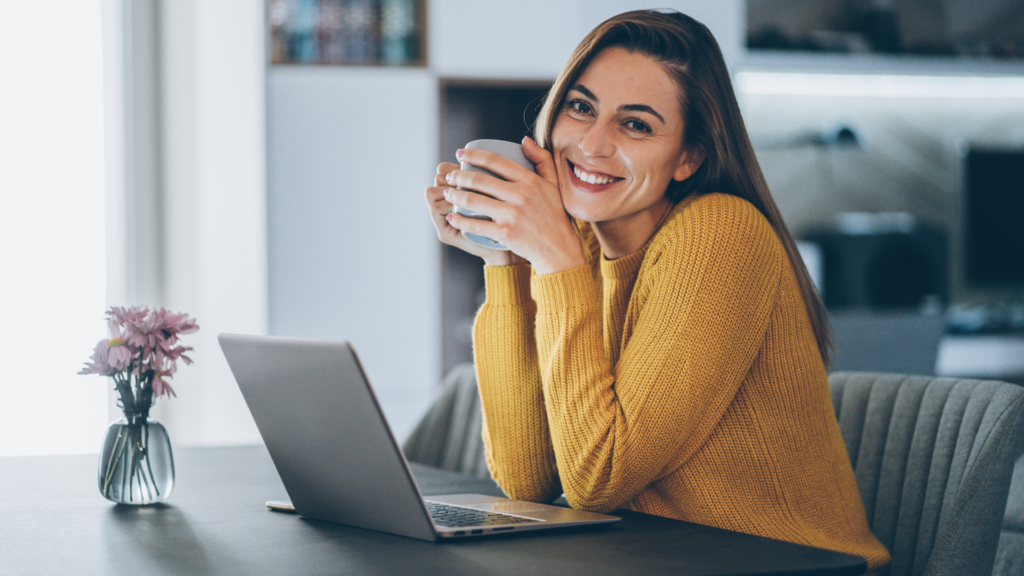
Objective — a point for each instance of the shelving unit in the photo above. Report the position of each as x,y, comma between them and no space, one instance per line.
348,32
475,109
948,37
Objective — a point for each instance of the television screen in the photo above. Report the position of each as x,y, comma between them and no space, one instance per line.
994,218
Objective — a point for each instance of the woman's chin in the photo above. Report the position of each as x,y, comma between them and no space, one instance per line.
581,209
583,214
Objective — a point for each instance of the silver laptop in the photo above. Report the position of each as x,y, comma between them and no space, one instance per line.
337,458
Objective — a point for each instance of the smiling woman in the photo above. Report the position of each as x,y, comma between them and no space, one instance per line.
651,340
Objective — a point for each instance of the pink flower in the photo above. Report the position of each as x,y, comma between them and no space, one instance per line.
141,330
111,355
99,364
161,386
119,356
154,329
179,323
143,343
127,315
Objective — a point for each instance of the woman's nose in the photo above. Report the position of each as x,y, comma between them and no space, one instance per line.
597,141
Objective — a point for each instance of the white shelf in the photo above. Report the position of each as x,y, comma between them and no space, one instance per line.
913,65
988,356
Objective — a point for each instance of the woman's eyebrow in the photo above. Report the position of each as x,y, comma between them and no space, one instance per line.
624,108
583,90
641,108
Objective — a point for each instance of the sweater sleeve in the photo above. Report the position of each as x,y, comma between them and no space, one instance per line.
516,438
704,307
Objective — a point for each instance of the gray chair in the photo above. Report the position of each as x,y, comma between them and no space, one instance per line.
933,460
1010,554
449,435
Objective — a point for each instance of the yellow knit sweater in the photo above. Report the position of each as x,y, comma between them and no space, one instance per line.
682,380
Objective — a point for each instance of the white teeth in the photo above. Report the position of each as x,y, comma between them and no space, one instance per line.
590,178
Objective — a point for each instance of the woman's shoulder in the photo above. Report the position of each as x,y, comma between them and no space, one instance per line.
722,221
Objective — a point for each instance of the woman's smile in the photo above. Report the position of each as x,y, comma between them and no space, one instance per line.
590,180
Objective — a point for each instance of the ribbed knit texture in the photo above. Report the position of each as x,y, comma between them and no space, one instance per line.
683,380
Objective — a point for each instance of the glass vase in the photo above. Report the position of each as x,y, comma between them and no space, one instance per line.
136,464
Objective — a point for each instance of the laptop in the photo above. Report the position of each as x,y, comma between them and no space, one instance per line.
336,455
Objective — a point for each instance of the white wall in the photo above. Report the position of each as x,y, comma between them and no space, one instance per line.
214,203
352,252
534,38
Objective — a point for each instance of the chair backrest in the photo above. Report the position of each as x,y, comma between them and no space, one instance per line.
933,459
448,436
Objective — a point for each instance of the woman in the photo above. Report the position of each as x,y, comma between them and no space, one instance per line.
652,340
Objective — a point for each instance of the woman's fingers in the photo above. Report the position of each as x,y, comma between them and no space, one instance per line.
435,197
487,228
473,201
439,210
503,167
478,182
542,158
525,209
439,207
441,199
442,170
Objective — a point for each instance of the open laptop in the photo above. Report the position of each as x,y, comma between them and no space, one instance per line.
337,458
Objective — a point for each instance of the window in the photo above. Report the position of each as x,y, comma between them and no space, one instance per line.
52,227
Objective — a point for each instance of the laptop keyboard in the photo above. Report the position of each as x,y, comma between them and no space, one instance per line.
457,516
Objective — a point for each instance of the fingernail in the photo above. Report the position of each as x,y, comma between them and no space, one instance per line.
527,138
448,177
446,191
458,153
448,217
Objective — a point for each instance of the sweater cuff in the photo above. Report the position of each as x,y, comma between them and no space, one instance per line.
572,288
508,285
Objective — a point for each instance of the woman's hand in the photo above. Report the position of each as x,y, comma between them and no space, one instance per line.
440,208
525,207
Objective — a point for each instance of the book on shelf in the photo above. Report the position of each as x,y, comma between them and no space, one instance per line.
346,32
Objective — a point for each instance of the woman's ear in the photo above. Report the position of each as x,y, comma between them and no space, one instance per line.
689,162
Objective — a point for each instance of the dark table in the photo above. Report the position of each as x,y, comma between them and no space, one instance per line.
53,521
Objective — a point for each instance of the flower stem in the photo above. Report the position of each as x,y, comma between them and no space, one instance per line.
149,465
124,468
111,467
134,432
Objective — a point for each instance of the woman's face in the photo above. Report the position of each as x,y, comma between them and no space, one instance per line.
618,139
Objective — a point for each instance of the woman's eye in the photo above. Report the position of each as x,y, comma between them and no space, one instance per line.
579,107
638,126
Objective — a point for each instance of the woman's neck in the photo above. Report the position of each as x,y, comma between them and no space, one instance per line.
623,236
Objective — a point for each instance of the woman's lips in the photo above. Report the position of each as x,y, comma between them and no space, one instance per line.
588,186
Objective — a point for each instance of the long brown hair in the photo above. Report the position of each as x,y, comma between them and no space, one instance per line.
712,124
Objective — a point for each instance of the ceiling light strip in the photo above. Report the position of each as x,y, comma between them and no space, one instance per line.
878,85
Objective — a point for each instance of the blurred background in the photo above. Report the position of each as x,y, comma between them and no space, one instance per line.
261,166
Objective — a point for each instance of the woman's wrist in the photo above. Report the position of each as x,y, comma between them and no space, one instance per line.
503,258
561,261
